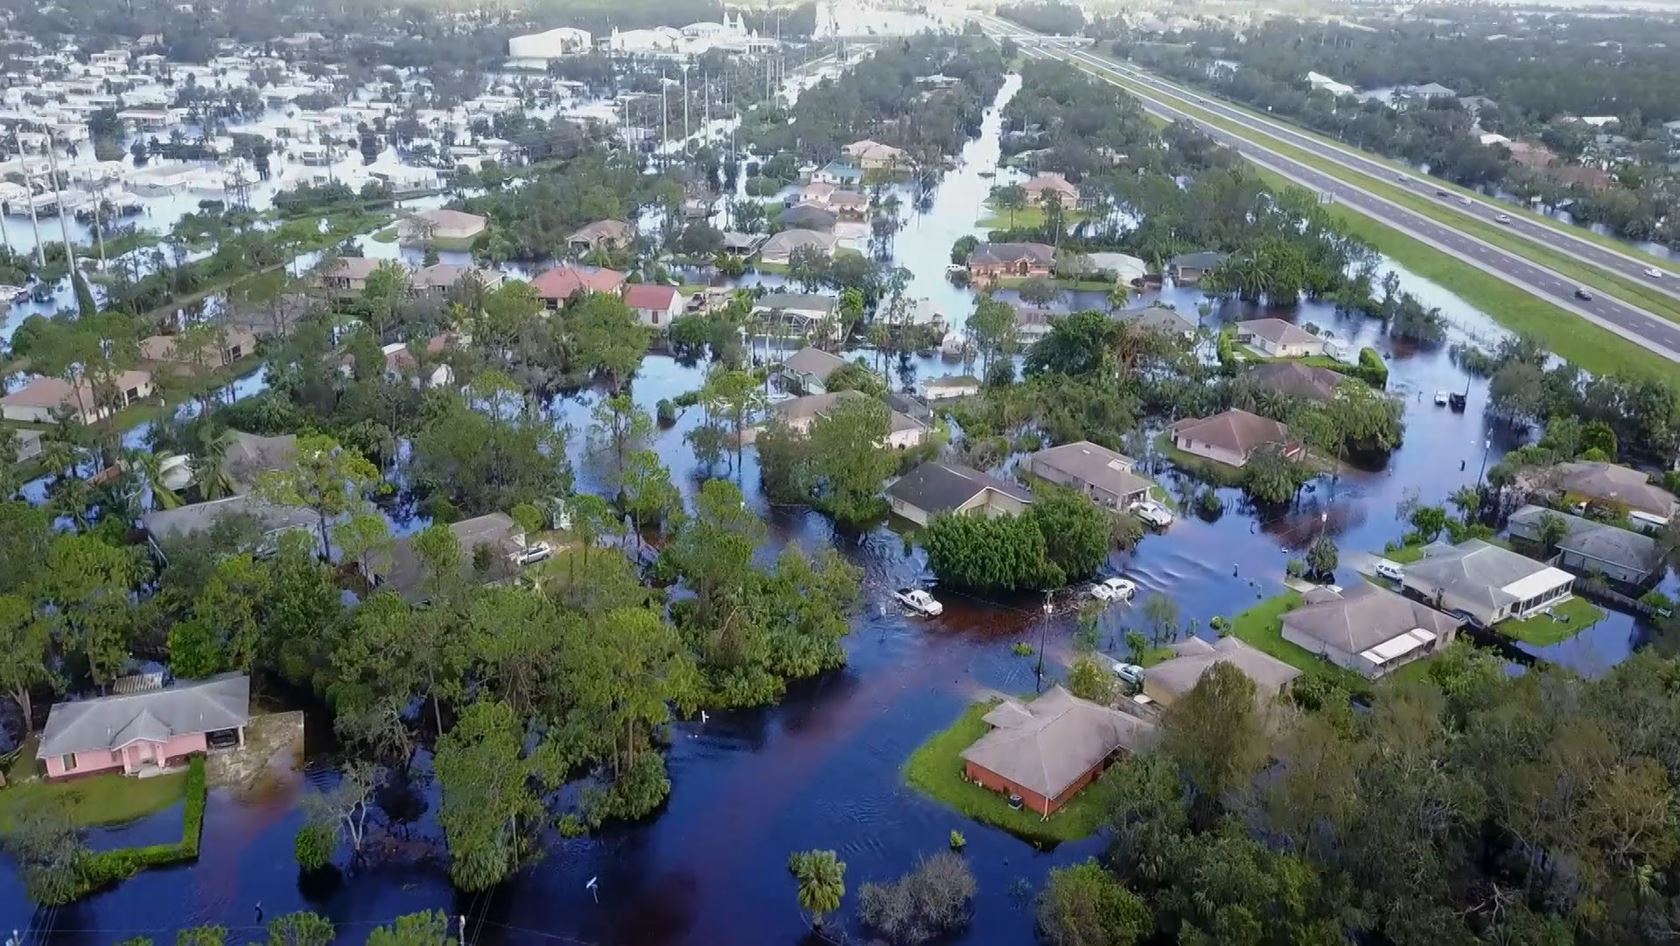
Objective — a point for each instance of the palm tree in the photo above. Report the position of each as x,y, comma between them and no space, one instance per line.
148,466
821,877
210,476
1118,297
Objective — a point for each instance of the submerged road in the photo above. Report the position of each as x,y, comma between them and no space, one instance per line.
1631,322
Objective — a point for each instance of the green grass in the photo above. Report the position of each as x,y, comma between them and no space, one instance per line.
387,235
936,769
1404,555
1261,627
1027,218
96,799
1219,474
1578,614
1594,349
1429,205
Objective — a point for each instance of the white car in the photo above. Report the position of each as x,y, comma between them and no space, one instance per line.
1653,272
1503,218
1152,512
532,554
1440,399
1131,674
1466,201
1113,589
919,601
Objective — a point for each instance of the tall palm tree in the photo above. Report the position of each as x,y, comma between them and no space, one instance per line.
821,877
147,466
209,474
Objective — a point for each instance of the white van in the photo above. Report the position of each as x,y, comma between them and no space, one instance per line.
1393,571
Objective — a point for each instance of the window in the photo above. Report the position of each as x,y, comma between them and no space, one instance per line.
68,761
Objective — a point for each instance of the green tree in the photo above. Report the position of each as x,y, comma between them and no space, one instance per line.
302,928
328,479
314,845
849,459
821,879
1009,197
429,928
194,651
1322,556
365,538
1552,529
26,645
202,936
608,340
1214,733
1003,553
1089,679
1084,905
621,427
49,852
1076,531
1039,292
734,396
1428,522
1271,476
930,902
489,805
649,495
590,516
992,330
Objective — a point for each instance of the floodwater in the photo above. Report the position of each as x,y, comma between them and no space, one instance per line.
822,769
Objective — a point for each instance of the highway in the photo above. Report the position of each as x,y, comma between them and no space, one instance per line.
1629,321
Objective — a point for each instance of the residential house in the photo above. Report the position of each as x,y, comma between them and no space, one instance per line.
1162,318
248,456
145,732
1613,485
1010,260
233,345
439,278
951,386
800,413
1232,437
850,205
400,362
875,156
1367,629
1276,338
1045,751
655,306
1591,548
1170,680
1485,582
1094,470
348,275
778,250
272,521
602,234
561,284
26,444
838,174
490,548
454,226
1124,269
742,244
808,369
50,400
1031,325
1048,183
813,217
804,314
1188,269
936,487
1294,379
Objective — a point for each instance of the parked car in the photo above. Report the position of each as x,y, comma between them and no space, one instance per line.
1582,294
1440,399
1151,512
1113,589
534,553
1129,674
1393,571
1466,201
919,601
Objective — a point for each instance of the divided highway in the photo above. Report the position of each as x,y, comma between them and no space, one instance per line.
1629,321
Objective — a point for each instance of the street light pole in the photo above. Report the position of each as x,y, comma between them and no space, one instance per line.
1043,636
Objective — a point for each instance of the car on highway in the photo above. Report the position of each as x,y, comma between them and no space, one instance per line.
919,601
1152,512
1113,589
1503,218
1582,294
1466,201
1402,178
1653,272
1441,192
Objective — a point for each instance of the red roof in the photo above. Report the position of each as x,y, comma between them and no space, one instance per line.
644,296
563,282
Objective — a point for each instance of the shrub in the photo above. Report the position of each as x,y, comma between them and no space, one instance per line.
1022,649
958,842
314,845
929,902
666,412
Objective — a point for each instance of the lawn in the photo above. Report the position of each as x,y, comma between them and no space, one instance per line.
1464,219
1404,555
1213,471
1573,617
1262,628
1027,218
936,769
94,799
387,235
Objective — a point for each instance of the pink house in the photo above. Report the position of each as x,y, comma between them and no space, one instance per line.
140,733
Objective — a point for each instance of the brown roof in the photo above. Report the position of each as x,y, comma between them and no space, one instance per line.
1093,465
56,393
1235,430
1612,482
1277,330
352,267
645,296
1008,253
446,275
1296,379
1050,181
1050,743
1364,616
1193,656
564,281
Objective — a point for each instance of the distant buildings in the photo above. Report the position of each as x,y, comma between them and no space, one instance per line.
51,400
1613,484
655,306
1592,548
1042,186
872,155
1276,338
549,44
779,249
559,285
602,234
445,225
1188,269
808,369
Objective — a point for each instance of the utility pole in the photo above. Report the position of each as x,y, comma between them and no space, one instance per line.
1043,637
63,215
685,107
34,220
664,122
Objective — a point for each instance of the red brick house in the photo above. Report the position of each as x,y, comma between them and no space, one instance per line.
1047,750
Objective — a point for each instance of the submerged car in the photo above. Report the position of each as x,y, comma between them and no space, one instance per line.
1151,512
919,601
1113,589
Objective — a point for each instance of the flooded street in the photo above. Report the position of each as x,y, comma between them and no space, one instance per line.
822,770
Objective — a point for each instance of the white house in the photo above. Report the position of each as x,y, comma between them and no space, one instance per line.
655,306
1276,338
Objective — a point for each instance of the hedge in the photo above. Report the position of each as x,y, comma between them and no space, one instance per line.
105,868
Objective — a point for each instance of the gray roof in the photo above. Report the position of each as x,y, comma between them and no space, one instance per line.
936,486
1295,379
787,241
249,455
164,524
1611,482
1595,540
1475,571
111,722
1159,316
1364,616
1236,430
808,217
796,301
1206,259
1179,675
1277,330
1048,744
1006,253
496,530
815,362
1093,465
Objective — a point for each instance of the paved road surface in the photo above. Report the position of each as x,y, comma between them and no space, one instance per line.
1631,322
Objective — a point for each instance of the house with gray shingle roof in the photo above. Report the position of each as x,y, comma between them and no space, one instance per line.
148,731
935,487
1367,629
1094,470
1485,581
1589,547
1170,680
